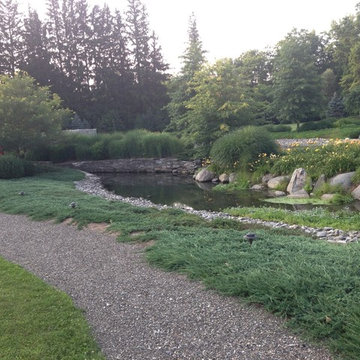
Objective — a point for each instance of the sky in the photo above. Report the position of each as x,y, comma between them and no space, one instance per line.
229,27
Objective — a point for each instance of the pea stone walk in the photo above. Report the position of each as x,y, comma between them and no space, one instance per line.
139,312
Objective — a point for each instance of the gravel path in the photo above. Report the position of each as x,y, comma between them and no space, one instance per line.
138,312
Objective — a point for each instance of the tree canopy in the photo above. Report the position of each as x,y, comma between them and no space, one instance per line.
29,114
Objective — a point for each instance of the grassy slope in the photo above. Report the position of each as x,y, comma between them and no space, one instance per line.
313,283
344,220
38,321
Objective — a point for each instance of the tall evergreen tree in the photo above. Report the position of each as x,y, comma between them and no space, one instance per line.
36,58
181,88
11,41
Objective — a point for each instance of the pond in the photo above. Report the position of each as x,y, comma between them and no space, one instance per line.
168,189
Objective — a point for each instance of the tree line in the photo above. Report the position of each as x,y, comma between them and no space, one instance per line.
107,66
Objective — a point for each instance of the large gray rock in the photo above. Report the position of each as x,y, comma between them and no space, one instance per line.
232,178
204,175
301,194
319,182
224,178
344,180
327,196
276,193
297,181
257,187
265,179
275,182
356,193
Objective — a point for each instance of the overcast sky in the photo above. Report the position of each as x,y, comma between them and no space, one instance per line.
229,27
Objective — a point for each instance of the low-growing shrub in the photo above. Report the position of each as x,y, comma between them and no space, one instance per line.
13,167
316,125
278,128
240,148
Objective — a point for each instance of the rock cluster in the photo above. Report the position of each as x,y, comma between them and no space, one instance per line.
146,165
92,185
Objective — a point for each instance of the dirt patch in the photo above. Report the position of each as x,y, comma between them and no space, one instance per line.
99,227
136,234
143,245
69,221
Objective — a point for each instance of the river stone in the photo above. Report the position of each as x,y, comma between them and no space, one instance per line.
344,180
320,182
224,178
265,179
277,193
356,193
297,181
257,187
232,177
327,196
301,194
277,181
204,175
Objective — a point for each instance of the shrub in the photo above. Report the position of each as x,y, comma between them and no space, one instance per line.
62,152
239,148
278,128
316,125
334,158
13,167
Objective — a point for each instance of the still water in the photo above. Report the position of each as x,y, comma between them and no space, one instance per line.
168,189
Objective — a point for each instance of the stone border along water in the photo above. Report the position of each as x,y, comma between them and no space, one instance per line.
92,185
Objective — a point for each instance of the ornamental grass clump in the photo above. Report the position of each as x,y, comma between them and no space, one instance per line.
239,149
13,167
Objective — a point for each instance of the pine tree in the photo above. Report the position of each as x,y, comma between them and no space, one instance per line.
36,59
11,41
194,56
336,107
181,88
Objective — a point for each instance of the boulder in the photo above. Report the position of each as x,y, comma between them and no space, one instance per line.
257,187
277,193
215,180
277,181
301,194
356,193
224,178
297,181
204,175
327,196
265,179
232,177
319,182
344,180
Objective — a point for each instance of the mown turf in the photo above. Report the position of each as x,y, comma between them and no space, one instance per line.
314,284
317,217
40,322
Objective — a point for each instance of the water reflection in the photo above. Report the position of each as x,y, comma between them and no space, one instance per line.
168,189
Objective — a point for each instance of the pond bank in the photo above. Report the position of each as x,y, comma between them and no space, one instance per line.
92,185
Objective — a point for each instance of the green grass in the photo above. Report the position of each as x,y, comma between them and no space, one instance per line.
331,133
319,217
289,201
40,322
315,285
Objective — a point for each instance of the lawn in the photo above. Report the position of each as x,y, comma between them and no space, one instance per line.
314,284
40,322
